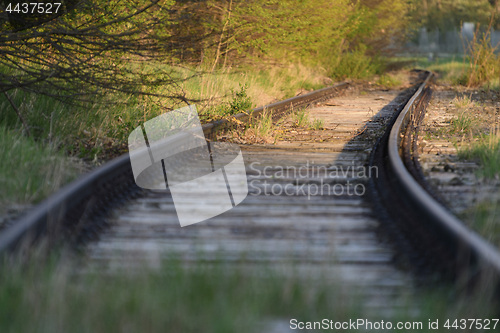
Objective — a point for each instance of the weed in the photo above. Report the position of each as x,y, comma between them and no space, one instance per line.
463,123
300,118
463,102
241,101
265,125
449,69
483,62
487,152
318,124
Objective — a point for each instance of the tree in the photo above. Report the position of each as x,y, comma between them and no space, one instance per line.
88,47
446,14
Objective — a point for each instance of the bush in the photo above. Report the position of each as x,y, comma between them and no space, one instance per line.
240,102
355,65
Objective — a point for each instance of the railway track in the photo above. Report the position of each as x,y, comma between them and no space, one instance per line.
319,201
307,210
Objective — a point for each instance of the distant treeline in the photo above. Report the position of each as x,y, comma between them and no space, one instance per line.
446,15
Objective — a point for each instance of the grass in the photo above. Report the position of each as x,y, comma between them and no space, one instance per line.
41,296
263,130
486,150
218,91
463,102
259,129
462,123
203,298
265,125
478,68
466,120
318,124
30,170
471,119
484,217
301,119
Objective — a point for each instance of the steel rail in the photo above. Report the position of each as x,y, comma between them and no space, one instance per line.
471,250
78,205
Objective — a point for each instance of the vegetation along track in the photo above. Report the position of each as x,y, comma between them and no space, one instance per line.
315,201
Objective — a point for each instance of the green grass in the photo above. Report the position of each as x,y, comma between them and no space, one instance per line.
486,151
462,123
484,217
30,170
318,124
471,119
41,296
203,298
300,118
265,125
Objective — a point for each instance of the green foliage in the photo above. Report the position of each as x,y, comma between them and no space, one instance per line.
340,35
265,124
445,14
118,61
240,102
87,49
48,296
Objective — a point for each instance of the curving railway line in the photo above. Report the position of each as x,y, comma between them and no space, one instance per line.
349,201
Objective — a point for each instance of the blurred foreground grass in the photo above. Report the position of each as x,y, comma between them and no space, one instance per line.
50,297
